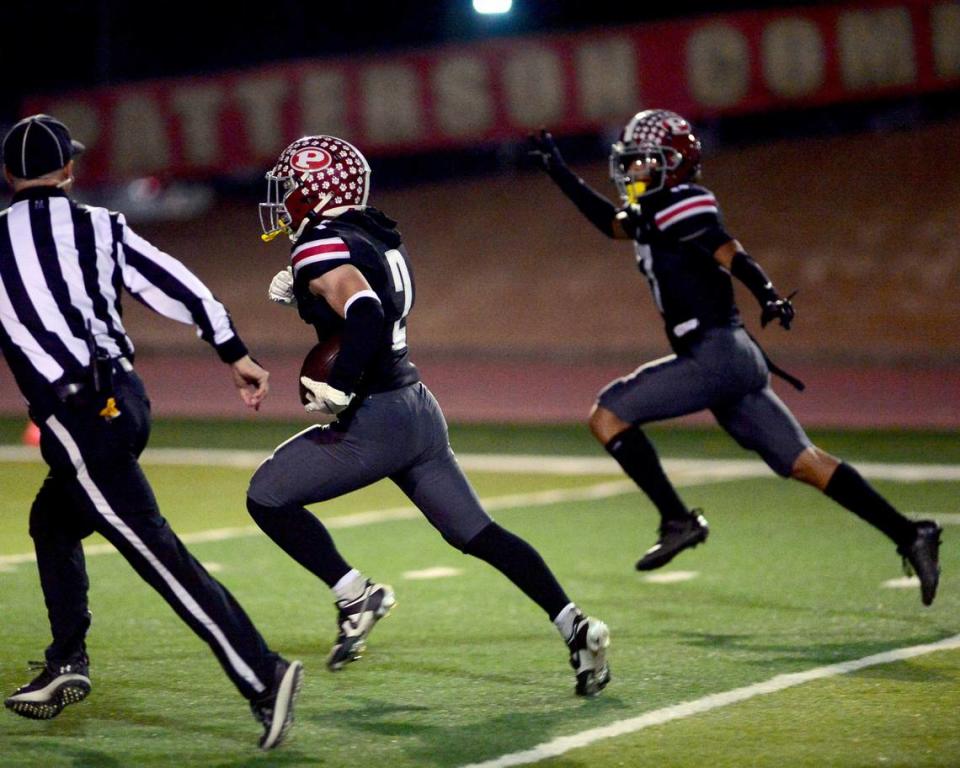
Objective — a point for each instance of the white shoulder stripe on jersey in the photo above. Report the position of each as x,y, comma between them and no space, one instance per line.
342,255
704,198
100,503
698,210
322,241
364,294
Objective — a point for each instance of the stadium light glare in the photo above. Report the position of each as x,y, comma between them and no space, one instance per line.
490,7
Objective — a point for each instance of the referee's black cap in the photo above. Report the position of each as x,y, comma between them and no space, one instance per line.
38,145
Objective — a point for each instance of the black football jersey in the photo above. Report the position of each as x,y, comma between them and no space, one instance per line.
369,241
677,232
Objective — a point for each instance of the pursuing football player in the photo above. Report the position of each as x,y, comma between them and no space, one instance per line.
350,275
686,255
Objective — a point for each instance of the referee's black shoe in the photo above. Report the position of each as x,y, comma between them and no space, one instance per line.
57,686
676,535
921,556
274,711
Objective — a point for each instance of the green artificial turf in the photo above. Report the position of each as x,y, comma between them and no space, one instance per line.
466,669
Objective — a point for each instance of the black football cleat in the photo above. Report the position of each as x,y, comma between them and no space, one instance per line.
355,620
275,710
588,654
921,557
676,535
57,686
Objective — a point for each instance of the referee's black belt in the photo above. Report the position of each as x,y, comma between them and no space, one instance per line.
95,379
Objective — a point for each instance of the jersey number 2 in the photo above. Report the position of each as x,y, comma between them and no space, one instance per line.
403,285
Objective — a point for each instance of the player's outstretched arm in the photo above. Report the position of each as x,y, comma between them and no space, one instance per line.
773,306
251,381
598,210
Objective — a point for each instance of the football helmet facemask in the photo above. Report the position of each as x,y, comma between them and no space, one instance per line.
656,150
315,176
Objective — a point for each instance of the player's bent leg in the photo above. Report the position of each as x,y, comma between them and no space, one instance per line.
303,536
679,528
918,542
605,424
587,638
814,467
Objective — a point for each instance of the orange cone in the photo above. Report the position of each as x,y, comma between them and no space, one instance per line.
31,435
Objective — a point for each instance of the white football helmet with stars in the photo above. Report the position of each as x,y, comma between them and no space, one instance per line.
315,176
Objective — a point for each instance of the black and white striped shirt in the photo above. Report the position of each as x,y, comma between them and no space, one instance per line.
62,268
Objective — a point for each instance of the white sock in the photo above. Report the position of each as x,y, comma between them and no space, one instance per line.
565,619
350,586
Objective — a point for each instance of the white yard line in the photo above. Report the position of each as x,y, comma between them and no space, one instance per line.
685,472
564,744
708,469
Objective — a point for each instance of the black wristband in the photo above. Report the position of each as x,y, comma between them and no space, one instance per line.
231,350
748,272
600,211
361,334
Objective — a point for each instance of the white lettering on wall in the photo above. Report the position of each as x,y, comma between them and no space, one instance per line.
793,57
463,103
261,99
876,48
140,143
81,117
718,65
198,107
606,71
945,21
323,102
534,86
391,103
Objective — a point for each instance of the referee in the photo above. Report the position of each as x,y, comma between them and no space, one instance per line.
62,267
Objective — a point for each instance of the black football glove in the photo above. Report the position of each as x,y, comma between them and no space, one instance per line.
780,310
543,151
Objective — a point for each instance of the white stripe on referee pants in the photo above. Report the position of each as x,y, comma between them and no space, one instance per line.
102,506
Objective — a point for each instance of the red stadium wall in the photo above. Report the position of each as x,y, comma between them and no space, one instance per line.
524,311
497,91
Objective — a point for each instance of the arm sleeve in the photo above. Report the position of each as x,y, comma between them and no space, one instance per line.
166,286
598,210
751,274
362,327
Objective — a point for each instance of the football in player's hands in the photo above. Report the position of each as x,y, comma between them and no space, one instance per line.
318,363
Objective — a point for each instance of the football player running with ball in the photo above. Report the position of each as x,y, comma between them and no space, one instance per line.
686,255
350,275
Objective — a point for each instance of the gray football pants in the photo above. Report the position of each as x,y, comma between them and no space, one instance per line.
726,373
400,434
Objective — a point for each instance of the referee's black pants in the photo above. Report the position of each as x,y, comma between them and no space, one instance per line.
95,484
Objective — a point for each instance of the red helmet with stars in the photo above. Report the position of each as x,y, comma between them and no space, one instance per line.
315,176
657,150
